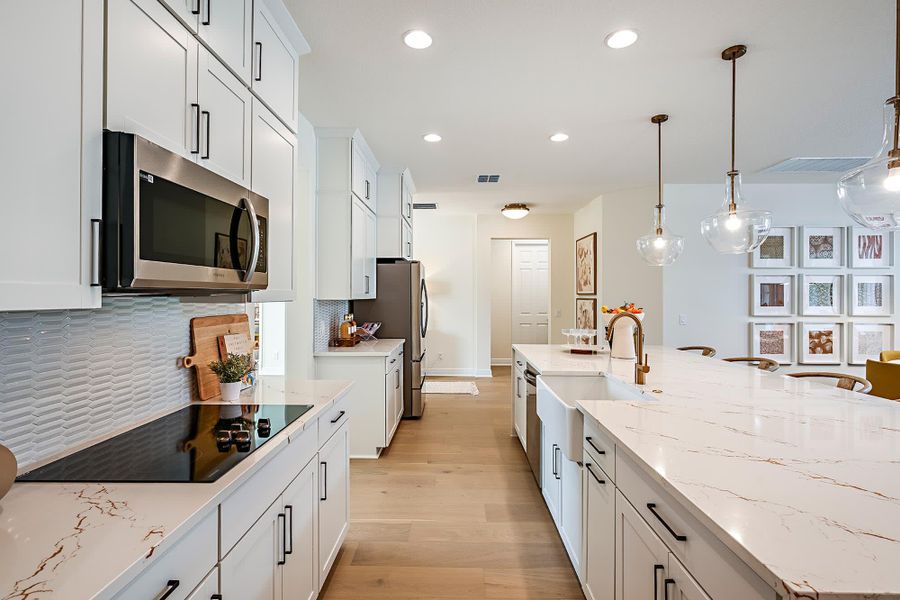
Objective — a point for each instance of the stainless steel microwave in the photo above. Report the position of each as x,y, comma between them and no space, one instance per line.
172,226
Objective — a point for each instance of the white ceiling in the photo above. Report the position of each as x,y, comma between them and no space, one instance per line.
503,75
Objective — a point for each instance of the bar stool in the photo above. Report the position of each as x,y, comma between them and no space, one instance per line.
704,350
885,378
844,381
763,364
889,356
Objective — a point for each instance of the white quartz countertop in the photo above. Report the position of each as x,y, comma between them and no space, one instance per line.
375,348
553,359
74,540
801,480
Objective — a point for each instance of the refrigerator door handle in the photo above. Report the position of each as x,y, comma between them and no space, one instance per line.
424,309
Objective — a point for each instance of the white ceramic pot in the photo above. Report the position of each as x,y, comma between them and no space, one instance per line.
8,468
623,336
231,392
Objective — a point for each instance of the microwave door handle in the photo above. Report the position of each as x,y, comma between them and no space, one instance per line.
254,232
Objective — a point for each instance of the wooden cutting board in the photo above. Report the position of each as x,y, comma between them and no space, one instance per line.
205,332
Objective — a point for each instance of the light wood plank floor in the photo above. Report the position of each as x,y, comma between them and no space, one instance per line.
451,511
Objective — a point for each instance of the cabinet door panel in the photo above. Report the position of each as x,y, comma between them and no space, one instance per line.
225,120
570,509
359,286
600,534
641,557
226,26
207,588
371,254
519,406
550,473
187,11
300,573
275,68
407,241
682,584
406,200
358,170
151,75
250,571
274,159
371,187
333,501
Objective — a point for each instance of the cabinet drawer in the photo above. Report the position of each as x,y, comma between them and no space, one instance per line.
331,419
241,509
599,448
390,363
721,573
181,568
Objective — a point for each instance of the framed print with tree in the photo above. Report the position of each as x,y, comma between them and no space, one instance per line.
821,295
773,340
777,251
868,340
771,295
821,247
870,249
871,295
586,265
820,343
585,313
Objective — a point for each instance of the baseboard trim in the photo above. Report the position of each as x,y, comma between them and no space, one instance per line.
501,362
458,372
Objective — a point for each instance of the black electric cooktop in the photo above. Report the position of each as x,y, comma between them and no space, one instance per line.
197,444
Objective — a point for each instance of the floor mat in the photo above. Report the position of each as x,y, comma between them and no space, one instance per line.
450,387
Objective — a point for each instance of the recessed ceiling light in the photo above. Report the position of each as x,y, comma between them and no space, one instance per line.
559,137
622,38
417,39
431,137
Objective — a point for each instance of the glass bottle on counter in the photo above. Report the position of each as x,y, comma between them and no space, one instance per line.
346,330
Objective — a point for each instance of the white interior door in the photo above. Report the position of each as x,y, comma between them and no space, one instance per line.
530,292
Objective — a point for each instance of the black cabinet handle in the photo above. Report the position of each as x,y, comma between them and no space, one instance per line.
338,418
669,581
289,510
656,570
195,11
258,62
591,471
96,245
205,113
324,496
558,453
283,519
553,458
216,597
195,114
367,189
594,446
651,506
171,586
206,22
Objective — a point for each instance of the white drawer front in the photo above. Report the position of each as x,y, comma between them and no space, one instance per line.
390,363
721,573
181,568
599,448
241,509
332,419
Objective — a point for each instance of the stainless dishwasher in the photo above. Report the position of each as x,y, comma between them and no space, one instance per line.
532,424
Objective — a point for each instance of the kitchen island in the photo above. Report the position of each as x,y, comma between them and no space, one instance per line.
798,480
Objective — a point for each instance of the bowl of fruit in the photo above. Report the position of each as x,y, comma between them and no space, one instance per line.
623,335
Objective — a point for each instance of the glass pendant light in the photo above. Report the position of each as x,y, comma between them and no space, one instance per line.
870,194
660,248
735,228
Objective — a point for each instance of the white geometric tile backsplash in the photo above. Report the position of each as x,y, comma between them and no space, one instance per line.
327,317
72,375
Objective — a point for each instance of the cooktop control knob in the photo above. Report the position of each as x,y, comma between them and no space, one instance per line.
223,440
241,440
263,427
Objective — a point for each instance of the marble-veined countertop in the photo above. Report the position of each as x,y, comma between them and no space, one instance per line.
70,541
383,347
555,359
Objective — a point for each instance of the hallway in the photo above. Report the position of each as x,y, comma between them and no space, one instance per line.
451,511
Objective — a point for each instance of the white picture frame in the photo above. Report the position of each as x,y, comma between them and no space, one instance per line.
816,290
864,341
774,341
869,249
778,251
771,295
871,295
821,343
821,247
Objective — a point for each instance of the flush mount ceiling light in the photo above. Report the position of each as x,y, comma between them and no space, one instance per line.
660,248
870,194
735,229
417,39
621,39
432,138
515,211
559,137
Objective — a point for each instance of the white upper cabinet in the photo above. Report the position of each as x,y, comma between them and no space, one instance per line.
225,118
151,76
275,73
50,156
226,27
358,171
395,194
274,175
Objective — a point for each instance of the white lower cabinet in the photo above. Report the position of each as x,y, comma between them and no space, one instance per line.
520,390
561,487
641,557
300,503
334,501
599,534
250,571
208,588
550,486
680,585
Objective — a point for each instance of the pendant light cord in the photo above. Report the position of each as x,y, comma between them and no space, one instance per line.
895,153
659,205
732,173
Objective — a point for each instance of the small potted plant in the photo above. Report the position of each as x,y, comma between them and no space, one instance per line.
230,372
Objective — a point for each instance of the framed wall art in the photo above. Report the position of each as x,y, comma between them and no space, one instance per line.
777,251
870,249
771,295
871,295
821,247
586,265
585,313
773,340
821,295
821,343
868,340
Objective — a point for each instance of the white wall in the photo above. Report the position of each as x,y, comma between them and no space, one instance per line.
501,302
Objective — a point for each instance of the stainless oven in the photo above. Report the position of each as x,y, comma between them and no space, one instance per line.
170,225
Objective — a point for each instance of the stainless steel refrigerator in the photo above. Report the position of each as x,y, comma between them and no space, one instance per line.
401,305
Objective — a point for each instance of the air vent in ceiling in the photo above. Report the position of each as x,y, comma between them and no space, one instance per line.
488,179
816,165
424,206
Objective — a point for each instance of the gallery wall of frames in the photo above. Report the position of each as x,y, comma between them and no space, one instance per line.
823,295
